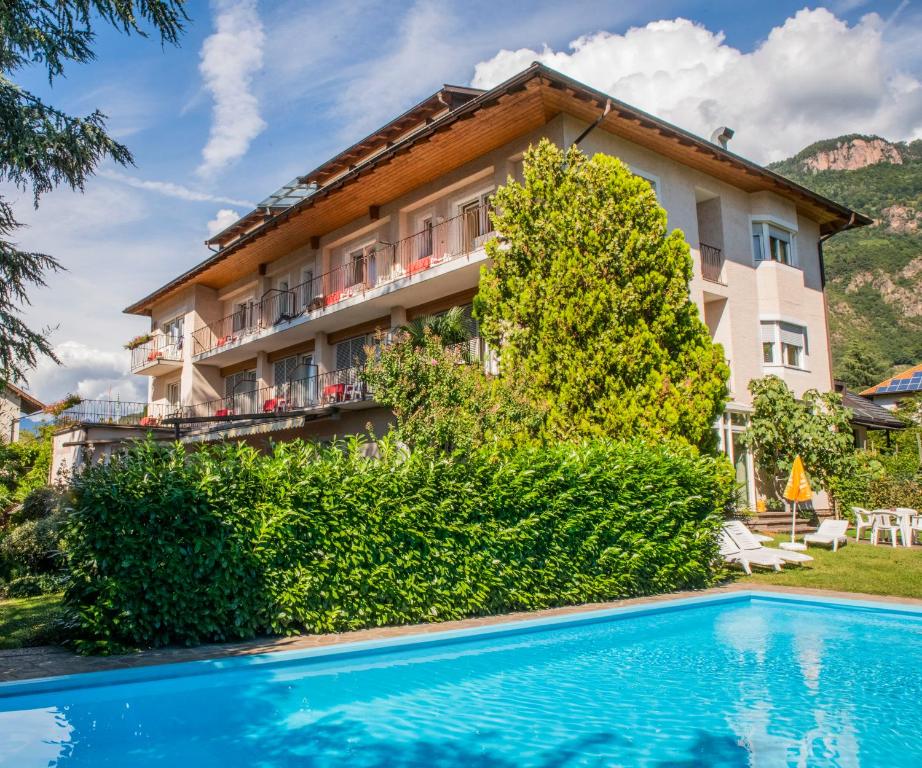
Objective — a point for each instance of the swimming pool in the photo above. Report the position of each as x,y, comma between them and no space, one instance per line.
745,679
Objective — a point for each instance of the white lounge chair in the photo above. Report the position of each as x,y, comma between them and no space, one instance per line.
830,533
744,539
864,520
731,553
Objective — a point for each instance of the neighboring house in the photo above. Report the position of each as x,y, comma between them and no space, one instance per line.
14,404
890,392
263,337
867,416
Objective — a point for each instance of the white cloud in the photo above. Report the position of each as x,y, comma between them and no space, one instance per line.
222,220
92,373
229,59
427,49
169,189
813,77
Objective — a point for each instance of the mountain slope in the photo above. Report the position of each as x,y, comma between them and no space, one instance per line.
874,273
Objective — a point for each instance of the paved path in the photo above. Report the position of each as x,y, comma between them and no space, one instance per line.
48,661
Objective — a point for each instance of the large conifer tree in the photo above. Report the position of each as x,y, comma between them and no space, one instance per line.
588,299
42,147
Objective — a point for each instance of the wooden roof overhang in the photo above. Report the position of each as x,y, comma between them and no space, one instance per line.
486,122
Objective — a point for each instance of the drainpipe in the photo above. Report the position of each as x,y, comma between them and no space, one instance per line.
590,128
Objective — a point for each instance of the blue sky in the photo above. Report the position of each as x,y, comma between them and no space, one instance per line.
259,92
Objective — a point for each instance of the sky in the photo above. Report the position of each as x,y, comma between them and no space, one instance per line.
257,93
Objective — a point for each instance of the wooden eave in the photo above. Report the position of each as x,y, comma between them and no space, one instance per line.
486,122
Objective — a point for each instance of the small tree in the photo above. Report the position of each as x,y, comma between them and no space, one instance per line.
817,428
860,366
588,300
444,401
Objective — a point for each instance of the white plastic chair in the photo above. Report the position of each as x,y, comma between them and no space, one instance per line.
915,528
864,520
884,521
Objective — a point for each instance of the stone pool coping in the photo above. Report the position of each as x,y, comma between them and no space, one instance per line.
51,661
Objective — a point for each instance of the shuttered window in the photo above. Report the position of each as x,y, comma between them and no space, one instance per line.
351,352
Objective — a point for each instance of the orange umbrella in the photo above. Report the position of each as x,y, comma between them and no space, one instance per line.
797,489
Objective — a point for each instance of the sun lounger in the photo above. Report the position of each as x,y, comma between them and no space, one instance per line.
744,539
731,553
830,533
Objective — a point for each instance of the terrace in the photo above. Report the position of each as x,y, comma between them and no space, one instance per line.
431,259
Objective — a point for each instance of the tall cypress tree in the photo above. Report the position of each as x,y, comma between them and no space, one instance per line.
42,147
588,300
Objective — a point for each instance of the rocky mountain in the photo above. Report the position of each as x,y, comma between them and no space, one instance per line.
874,273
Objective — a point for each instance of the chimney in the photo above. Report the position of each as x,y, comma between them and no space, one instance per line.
721,136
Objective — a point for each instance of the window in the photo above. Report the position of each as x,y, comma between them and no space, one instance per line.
650,179
240,392
351,352
357,259
475,222
172,394
241,315
730,428
772,243
789,338
173,329
285,370
306,289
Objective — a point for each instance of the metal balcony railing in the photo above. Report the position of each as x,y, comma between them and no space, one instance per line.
160,347
114,412
378,264
712,263
335,387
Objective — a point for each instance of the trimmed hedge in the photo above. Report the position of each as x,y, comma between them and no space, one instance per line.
168,546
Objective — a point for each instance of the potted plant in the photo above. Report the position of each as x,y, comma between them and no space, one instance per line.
137,341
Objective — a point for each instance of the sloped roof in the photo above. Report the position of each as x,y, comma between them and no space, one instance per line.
904,383
27,403
867,413
527,100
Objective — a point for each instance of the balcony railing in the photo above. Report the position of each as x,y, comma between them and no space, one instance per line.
712,263
160,348
333,388
114,412
379,264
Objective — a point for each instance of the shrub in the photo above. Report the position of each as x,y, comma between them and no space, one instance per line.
440,397
33,546
32,586
167,546
38,503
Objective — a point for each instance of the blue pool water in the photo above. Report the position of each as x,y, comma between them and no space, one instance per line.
744,681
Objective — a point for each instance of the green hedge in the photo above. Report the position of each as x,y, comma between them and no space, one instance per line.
167,546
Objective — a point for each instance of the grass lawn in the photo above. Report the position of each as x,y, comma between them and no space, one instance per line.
28,621
880,570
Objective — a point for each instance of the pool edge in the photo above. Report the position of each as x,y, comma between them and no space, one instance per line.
358,648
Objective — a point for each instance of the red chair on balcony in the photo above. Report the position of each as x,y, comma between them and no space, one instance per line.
225,340
332,298
149,421
334,393
275,405
223,412
419,265
155,355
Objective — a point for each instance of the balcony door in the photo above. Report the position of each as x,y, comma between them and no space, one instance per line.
475,221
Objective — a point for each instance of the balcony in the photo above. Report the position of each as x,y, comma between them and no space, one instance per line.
379,271
162,354
318,392
712,263
113,412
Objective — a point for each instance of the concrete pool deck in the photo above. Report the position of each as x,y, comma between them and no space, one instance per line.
51,661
